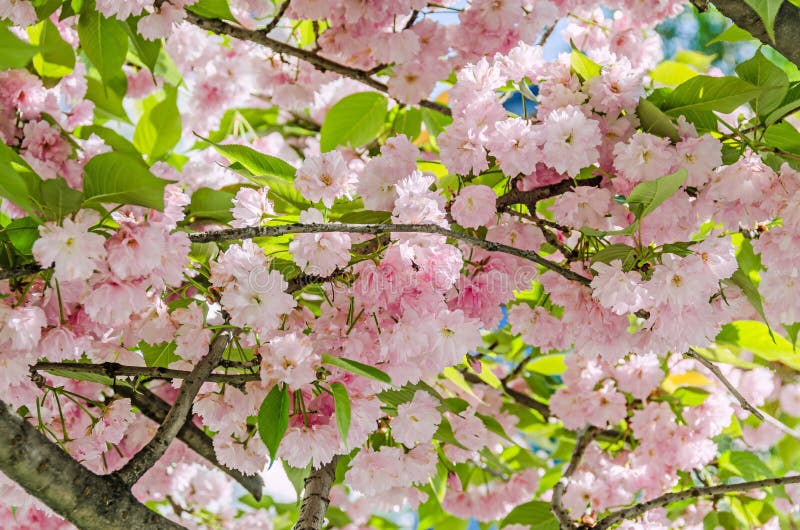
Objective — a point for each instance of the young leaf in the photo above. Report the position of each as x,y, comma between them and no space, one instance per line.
354,120
704,92
273,419
342,404
103,40
120,178
55,58
535,514
161,355
60,198
211,204
767,10
357,368
159,128
647,196
653,120
17,179
257,164
212,9
14,53
583,66
773,81
759,339
617,251
146,50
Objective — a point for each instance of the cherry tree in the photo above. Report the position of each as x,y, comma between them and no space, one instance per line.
245,235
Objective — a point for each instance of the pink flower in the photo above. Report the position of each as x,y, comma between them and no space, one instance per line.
584,206
644,157
514,144
475,206
74,250
570,140
289,359
417,420
325,177
250,206
22,327
639,375
622,292
321,253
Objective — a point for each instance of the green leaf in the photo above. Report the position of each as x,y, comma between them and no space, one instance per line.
60,198
783,136
22,233
647,196
211,204
14,53
445,434
120,178
493,426
103,40
212,9
617,251
159,128
733,34
583,66
654,121
357,368
112,138
744,464
365,217
13,182
55,58
548,364
772,80
435,121
342,403
297,477
723,94
790,104
354,120
160,355
108,98
767,10
672,73
146,50
409,122
690,396
745,283
536,514
273,419
759,339
257,164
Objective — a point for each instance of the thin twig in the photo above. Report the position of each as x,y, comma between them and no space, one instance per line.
755,411
691,493
169,428
585,436
279,230
531,197
276,19
113,370
321,63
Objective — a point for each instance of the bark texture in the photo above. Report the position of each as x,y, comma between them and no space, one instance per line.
315,497
87,500
787,25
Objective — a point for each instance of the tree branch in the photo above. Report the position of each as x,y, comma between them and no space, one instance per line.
585,436
157,409
691,493
113,370
272,231
276,19
45,471
315,497
18,272
531,197
787,25
321,63
175,419
755,411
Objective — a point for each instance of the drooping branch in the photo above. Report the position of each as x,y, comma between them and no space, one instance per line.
755,411
234,234
153,372
157,409
321,63
691,493
787,25
315,497
585,436
87,500
176,418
